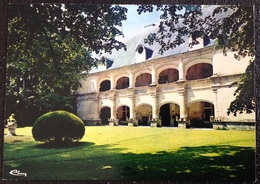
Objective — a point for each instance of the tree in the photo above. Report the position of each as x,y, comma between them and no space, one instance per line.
49,51
232,32
244,101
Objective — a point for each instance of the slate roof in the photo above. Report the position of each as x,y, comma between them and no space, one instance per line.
122,58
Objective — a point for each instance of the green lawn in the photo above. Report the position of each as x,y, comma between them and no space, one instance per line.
136,153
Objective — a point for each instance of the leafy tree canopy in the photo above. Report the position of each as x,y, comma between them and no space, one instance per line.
230,26
244,100
50,47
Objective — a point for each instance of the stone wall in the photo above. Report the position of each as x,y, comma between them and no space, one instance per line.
234,125
93,122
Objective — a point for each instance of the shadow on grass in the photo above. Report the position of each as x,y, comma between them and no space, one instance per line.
28,151
199,164
87,161
62,145
9,139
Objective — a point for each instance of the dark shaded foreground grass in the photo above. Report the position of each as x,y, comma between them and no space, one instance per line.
135,153
87,161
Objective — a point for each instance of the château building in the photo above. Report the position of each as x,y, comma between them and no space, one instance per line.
184,83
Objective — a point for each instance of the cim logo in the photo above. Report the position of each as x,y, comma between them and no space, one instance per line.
17,173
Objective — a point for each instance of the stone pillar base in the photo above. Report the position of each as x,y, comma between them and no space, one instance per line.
111,123
130,124
11,132
153,124
182,124
156,123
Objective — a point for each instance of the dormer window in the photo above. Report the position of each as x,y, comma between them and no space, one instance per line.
107,62
140,50
196,34
143,53
198,39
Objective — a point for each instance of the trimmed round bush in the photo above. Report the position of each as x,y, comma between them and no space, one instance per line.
58,126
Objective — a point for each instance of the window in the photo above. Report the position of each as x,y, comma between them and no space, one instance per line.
104,86
125,112
168,76
122,83
199,71
140,50
143,79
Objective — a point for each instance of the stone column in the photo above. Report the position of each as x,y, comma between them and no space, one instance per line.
112,85
132,107
96,87
98,101
155,106
97,119
113,106
131,80
154,76
215,90
181,71
183,105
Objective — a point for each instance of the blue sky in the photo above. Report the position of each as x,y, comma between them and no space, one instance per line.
136,22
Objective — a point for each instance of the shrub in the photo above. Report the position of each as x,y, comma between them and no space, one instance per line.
58,126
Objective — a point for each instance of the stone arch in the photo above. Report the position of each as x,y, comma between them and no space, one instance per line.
143,79
140,71
105,85
199,71
200,111
122,83
168,75
168,102
190,62
169,114
164,67
200,100
143,113
105,114
122,113
120,75
101,79
117,76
